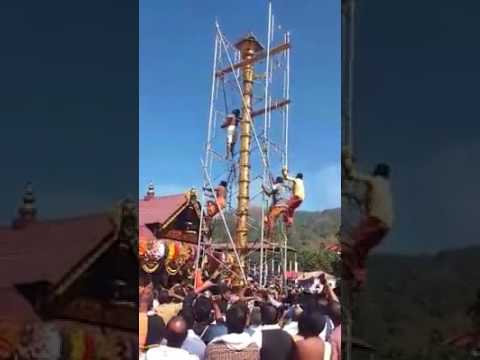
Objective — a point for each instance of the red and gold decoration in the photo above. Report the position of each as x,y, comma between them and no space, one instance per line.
150,251
31,341
178,255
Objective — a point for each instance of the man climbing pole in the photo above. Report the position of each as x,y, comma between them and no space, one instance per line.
280,193
230,124
298,190
370,232
214,207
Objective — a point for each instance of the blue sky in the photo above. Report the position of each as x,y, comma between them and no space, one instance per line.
176,54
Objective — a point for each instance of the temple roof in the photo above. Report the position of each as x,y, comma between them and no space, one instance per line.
159,210
44,252
26,254
14,307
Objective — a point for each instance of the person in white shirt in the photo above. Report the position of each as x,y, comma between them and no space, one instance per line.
274,342
176,333
255,321
193,343
378,222
230,124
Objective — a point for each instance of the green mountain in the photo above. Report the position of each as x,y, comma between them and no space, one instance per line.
413,303
309,231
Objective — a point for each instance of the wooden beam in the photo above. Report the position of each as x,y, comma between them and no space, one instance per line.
275,105
258,57
179,235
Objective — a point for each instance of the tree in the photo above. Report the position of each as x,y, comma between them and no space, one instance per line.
314,260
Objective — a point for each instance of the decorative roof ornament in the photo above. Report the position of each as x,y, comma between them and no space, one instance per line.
28,206
27,211
249,41
150,192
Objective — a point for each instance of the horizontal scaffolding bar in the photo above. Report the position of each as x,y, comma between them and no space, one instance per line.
253,247
275,105
260,56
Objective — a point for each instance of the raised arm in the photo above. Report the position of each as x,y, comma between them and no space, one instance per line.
286,176
216,308
225,123
330,294
354,175
267,191
172,294
208,284
350,172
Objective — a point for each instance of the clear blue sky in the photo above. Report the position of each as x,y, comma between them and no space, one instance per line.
176,54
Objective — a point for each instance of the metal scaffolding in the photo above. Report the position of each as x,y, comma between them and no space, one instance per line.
263,145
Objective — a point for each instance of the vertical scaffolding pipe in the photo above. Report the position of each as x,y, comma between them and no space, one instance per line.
207,150
284,96
212,100
265,140
285,255
273,265
287,40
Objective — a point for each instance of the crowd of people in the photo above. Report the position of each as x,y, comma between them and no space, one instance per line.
220,322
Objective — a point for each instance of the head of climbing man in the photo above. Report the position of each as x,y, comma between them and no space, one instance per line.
382,170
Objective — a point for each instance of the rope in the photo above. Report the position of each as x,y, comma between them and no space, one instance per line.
230,182
200,236
225,96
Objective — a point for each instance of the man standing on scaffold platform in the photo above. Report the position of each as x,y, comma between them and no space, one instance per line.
231,123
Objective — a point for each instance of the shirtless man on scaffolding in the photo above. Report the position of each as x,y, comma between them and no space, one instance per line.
231,123
214,206
370,232
216,203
